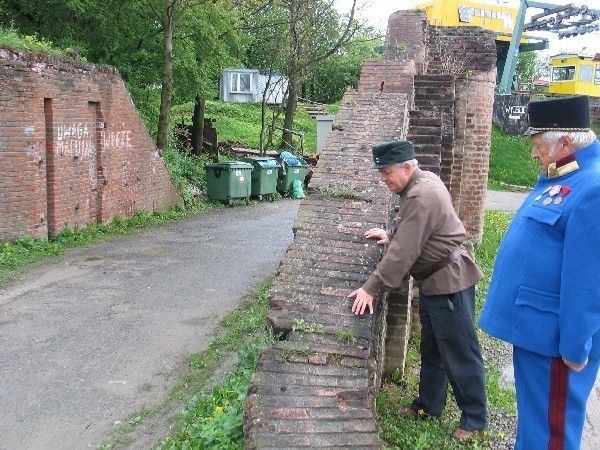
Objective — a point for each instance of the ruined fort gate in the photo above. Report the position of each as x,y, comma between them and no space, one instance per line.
316,386
73,148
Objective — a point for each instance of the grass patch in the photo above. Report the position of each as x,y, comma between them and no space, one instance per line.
212,417
338,191
510,161
403,432
302,327
11,39
241,122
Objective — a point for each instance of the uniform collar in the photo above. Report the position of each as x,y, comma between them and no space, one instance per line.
563,166
571,163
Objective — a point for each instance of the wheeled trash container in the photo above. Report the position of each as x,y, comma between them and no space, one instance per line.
265,171
290,172
228,180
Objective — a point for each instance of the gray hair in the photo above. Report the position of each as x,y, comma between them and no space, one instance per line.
580,138
411,162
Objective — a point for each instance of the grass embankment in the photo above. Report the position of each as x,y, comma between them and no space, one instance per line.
511,166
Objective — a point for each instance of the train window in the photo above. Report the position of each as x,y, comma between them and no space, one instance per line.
464,14
563,73
585,73
597,74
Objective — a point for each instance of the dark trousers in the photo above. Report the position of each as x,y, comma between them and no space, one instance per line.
450,352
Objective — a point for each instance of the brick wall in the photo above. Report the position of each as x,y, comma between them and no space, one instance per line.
73,149
406,33
468,54
316,388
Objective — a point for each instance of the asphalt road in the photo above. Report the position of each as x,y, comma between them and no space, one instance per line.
96,335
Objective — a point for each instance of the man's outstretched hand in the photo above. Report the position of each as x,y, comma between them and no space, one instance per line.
361,301
379,234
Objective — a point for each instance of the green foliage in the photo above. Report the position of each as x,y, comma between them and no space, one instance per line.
128,35
215,419
338,191
530,67
346,334
402,432
10,38
187,171
301,326
510,160
495,226
241,123
341,71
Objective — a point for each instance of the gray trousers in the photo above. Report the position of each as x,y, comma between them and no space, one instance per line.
450,352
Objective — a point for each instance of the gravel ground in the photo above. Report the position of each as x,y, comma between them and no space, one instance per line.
502,425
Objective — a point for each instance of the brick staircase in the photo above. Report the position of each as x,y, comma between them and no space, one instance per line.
432,123
316,387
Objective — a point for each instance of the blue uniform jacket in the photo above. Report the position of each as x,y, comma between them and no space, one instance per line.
544,295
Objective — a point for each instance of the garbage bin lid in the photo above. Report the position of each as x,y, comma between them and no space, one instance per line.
262,161
231,165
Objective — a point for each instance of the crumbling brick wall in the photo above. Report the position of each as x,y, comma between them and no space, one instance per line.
316,388
73,149
469,55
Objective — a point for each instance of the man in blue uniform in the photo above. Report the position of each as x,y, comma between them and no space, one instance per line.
544,297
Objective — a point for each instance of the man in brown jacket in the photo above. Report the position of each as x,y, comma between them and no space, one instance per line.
426,240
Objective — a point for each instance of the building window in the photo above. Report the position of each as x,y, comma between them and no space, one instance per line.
586,73
464,14
564,73
240,82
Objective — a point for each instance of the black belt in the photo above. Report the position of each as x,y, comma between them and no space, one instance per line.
438,265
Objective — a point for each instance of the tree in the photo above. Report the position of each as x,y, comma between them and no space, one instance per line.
179,45
315,33
330,79
530,67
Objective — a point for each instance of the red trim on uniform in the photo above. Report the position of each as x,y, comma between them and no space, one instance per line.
559,383
566,160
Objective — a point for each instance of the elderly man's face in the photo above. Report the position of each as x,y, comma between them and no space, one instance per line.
545,154
396,176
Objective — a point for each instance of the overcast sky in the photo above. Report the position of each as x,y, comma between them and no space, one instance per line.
376,12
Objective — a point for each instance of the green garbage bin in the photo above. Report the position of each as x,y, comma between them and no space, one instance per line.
289,173
228,180
265,171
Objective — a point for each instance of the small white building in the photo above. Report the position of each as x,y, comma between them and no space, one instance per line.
249,85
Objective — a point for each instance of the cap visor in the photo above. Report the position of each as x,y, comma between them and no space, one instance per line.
531,132
380,166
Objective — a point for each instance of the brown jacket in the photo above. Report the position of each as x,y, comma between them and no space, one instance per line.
425,230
